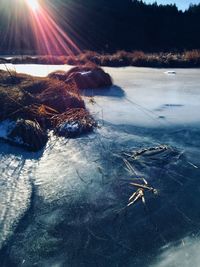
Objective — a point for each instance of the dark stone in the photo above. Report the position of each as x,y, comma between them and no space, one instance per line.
95,78
85,77
28,134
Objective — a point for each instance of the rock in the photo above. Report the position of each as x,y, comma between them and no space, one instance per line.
94,78
24,133
84,76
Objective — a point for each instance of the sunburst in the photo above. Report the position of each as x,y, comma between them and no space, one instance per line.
35,25
33,4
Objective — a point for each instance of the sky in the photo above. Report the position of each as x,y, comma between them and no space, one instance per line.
181,4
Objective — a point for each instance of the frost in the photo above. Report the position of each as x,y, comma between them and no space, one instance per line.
71,127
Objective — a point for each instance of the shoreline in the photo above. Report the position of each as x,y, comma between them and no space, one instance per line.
187,59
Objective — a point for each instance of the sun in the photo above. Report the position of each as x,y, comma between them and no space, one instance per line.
33,4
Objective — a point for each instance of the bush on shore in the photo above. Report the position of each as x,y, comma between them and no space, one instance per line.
185,59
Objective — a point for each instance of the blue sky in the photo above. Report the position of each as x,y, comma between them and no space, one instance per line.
181,4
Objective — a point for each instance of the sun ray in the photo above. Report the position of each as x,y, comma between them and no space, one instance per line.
37,27
33,4
52,40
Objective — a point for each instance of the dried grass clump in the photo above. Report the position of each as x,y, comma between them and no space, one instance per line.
35,112
39,60
58,75
25,60
60,97
18,97
44,103
193,55
88,57
118,59
73,122
12,96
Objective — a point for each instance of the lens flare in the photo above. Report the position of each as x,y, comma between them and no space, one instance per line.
50,38
33,4
38,27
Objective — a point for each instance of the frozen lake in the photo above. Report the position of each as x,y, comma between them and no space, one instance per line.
65,206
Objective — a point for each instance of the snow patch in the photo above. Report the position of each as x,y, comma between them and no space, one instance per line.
70,127
86,73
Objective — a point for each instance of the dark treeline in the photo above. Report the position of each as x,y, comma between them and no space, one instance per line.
110,25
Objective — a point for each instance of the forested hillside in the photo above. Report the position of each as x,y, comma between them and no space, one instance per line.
103,25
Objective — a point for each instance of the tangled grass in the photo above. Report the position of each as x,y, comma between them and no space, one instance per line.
122,58
46,100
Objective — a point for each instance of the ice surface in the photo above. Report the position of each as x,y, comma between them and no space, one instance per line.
185,253
6,127
74,194
33,69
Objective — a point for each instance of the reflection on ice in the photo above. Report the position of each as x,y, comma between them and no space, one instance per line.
15,192
185,254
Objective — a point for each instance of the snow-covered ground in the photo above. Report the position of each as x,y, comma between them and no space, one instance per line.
74,192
